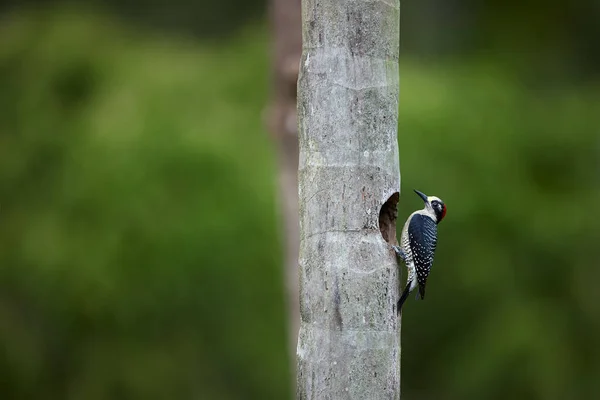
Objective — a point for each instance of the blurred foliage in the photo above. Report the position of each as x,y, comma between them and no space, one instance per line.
139,255
201,18
559,38
515,310
138,250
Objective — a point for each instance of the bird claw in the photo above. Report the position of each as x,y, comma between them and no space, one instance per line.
399,253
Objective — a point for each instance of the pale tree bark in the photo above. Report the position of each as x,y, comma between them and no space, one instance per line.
285,18
349,182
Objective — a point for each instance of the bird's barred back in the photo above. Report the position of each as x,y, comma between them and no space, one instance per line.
406,242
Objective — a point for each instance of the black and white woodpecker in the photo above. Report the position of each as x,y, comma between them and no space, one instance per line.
418,243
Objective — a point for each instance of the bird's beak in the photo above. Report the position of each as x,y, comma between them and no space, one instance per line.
421,195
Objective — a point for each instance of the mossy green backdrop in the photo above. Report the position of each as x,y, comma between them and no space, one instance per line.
140,255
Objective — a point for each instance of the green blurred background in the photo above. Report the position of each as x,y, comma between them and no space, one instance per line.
140,249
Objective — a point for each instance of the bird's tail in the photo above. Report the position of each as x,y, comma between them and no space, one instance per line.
421,292
403,297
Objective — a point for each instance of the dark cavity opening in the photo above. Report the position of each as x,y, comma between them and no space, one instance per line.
387,219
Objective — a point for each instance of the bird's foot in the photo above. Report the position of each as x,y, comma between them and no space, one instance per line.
399,253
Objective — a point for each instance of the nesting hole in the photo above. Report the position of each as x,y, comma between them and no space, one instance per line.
387,219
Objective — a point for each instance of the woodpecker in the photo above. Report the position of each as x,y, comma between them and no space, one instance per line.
418,243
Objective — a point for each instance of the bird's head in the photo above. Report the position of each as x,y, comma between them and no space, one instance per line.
433,205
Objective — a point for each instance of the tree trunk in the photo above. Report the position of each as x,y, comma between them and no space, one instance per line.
349,182
285,16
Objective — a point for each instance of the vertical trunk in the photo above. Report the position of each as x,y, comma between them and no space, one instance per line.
285,17
349,180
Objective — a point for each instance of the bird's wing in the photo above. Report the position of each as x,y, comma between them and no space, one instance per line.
422,234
